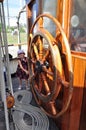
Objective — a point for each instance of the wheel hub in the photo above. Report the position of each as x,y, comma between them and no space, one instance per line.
38,67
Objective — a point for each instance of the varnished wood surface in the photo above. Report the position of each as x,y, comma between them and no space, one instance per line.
75,117
71,119
79,54
79,68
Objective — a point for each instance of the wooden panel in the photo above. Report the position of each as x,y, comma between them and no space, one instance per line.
71,119
76,106
79,67
74,118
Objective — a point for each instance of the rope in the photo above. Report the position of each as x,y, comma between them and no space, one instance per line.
35,120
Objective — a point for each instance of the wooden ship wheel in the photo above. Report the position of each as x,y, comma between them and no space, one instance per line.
48,79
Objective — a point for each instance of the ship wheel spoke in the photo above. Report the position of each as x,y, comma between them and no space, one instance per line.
40,48
46,85
38,83
36,51
63,81
47,70
50,76
46,55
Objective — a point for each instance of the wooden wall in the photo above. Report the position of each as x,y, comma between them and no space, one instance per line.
75,117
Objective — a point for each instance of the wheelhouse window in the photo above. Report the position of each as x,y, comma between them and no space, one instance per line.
49,8
78,26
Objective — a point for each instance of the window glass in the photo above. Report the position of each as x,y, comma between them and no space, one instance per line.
78,26
50,8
